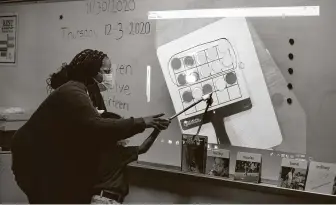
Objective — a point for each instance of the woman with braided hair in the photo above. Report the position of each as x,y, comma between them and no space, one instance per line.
56,153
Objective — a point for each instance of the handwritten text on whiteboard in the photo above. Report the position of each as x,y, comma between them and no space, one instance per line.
97,7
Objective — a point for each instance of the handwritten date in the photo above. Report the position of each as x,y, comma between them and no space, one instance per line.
97,7
118,30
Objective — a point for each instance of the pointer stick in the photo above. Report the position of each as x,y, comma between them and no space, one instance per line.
187,108
204,98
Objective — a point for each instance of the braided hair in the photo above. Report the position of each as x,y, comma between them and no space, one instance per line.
83,67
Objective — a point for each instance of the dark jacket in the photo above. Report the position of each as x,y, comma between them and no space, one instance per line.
56,153
112,173
98,102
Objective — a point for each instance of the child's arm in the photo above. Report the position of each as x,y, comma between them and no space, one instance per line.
144,147
131,153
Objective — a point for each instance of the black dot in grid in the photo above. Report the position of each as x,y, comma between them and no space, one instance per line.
187,96
189,61
207,88
291,41
290,71
290,86
181,79
291,56
289,101
61,17
176,63
231,78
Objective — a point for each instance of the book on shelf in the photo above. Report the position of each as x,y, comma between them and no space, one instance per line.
293,173
321,178
194,153
248,167
218,162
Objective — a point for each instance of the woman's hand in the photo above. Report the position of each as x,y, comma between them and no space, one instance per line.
156,122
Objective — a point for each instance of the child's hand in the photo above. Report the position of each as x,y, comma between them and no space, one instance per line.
123,142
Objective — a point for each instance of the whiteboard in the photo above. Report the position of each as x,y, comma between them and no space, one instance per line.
45,41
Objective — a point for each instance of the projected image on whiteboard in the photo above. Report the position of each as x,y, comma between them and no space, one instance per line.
206,68
220,58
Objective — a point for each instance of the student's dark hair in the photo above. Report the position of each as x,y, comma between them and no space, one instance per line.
82,68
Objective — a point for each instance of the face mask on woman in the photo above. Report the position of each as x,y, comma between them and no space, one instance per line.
108,79
105,79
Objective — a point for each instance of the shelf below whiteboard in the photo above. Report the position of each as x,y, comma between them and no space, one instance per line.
269,187
153,169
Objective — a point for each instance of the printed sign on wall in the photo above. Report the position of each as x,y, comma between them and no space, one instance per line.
8,36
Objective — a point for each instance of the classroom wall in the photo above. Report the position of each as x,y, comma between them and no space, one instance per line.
24,85
42,48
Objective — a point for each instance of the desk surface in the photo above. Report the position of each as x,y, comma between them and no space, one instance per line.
11,125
